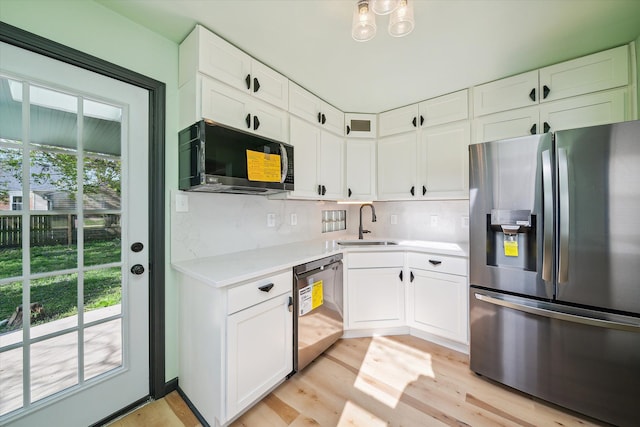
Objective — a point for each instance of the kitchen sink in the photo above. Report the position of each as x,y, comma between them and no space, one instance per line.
366,243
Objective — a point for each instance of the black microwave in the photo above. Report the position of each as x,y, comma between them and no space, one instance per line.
217,158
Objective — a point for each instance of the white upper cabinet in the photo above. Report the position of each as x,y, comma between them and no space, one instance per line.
444,153
507,124
397,167
506,94
393,122
592,73
445,109
318,162
360,125
204,52
361,169
309,107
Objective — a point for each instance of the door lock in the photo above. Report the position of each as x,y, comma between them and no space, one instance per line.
137,269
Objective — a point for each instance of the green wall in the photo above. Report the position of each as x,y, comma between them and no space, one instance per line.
91,28
638,74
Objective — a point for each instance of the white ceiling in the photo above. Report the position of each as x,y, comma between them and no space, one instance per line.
456,43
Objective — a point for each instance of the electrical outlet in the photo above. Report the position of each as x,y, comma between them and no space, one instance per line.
294,219
394,219
182,202
434,220
271,220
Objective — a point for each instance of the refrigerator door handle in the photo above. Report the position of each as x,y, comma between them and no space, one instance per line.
559,315
547,217
563,188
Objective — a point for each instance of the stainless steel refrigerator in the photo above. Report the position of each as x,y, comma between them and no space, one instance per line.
555,267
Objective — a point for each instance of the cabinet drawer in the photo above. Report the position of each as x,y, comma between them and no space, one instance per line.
249,294
441,263
375,260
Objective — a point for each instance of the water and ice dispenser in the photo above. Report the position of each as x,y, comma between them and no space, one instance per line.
511,239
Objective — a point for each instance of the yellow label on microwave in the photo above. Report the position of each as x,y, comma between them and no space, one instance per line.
263,167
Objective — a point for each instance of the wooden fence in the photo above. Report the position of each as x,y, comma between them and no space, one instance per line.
56,230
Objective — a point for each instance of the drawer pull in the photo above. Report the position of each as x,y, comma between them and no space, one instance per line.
266,288
435,262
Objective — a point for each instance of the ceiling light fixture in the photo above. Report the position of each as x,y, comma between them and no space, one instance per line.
401,21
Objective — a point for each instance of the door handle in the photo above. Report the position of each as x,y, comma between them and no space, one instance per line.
256,85
248,121
547,216
324,119
401,276
319,117
137,247
137,269
248,81
324,190
435,262
266,288
415,122
349,192
545,91
411,277
256,123
413,191
319,190
533,129
532,94
424,190
348,129
546,127
421,120
563,209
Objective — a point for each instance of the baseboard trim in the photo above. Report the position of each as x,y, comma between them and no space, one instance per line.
191,406
170,386
122,412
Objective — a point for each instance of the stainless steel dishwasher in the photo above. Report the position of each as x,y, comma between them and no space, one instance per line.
318,302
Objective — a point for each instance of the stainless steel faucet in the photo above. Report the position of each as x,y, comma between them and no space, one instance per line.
373,219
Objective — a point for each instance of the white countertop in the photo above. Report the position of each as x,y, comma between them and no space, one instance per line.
223,270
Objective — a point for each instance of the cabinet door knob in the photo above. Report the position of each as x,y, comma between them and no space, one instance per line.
546,127
415,122
532,94
256,85
401,276
424,190
348,129
248,121
247,80
545,91
266,288
349,192
413,191
411,277
256,123
435,262
534,129
421,120
137,269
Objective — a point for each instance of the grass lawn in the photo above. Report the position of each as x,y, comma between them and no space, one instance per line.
58,294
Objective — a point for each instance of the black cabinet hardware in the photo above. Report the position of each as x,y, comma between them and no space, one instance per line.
348,129
349,190
319,190
256,123
324,190
545,91
256,85
266,288
546,127
434,262
421,120
411,277
137,247
248,81
248,121
137,269
532,94
415,122
413,191
534,129
324,119
401,276
424,190
319,117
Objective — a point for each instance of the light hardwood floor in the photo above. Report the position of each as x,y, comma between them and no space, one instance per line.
385,381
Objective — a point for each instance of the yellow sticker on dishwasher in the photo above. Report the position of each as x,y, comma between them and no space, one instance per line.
317,298
511,248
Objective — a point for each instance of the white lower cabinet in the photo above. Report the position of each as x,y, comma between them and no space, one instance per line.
437,295
259,351
375,290
236,342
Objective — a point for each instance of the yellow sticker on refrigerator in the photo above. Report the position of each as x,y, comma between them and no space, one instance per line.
310,297
510,248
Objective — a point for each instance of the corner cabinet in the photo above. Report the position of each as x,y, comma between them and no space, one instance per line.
309,107
235,342
375,290
361,169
